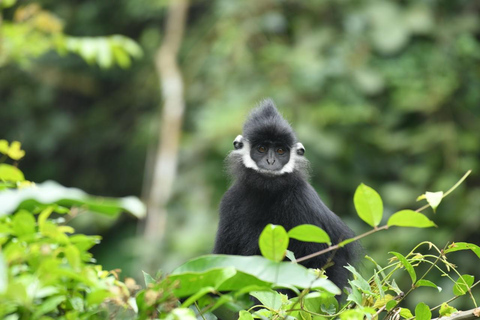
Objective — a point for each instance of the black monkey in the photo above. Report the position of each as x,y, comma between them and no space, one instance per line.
270,186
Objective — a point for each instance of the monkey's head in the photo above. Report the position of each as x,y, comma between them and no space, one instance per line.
268,145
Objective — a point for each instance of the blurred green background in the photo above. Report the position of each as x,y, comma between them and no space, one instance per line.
381,92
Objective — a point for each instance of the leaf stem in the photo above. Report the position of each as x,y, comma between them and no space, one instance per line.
457,184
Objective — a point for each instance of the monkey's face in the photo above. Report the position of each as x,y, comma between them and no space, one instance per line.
270,156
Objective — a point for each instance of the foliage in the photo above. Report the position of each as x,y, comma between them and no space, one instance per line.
221,284
34,31
47,271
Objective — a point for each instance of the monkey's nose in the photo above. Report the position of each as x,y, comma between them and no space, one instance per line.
270,161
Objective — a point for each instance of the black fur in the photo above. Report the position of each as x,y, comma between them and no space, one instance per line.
256,199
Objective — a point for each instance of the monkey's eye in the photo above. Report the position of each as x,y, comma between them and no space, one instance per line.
262,149
280,151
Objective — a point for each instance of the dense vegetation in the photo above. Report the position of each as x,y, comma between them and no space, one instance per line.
380,92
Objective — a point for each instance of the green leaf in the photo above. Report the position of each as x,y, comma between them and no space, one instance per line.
355,295
368,204
291,256
43,216
408,266
359,281
427,283
47,306
10,173
148,279
422,312
121,57
309,233
98,296
255,270
7,3
391,304
104,53
410,218
181,314
73,256
15,152
463,284
446,310
51,192
245,315
195,282
273,242
23,223
434,199
406,313
270,299
353,314
192,298
3,275
457,246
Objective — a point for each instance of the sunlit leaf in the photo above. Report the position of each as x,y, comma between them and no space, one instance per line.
408,266
52,193
446,310
410,218
193,282
3,275
309,233
270,299
457,246
7,3
463,284
383,301
368,204
427,283
406,313
255,270
48,305
434,199
422,312
148,279
98,296
273,242
15,152
23,223
10,173
245,315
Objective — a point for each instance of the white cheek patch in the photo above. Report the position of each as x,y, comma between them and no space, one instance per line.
248,162
294,154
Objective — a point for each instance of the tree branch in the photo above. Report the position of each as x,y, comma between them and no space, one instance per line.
463,315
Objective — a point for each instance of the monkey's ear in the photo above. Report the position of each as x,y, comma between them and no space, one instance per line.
238,142
300,149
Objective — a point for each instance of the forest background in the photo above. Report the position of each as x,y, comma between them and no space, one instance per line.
380,92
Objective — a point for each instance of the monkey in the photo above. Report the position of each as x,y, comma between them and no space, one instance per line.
270,185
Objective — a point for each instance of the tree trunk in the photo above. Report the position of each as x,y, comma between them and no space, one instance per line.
165,160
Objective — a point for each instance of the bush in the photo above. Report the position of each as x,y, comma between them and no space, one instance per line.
47,272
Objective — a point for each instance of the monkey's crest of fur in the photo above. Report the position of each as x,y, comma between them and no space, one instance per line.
266,124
